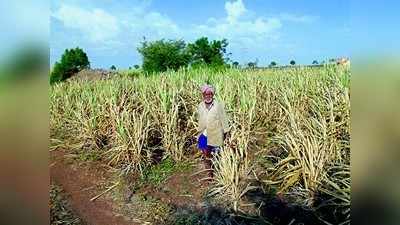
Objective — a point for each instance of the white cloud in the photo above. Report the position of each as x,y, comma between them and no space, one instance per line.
298,18
234,10
138,22
105,33
162,25
118,30
96,24
240,28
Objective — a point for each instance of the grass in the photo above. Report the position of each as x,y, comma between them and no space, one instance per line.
89,156
304,113
159,173
187,220
230,177
146,210
156,175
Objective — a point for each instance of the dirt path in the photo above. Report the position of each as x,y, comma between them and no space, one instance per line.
81,183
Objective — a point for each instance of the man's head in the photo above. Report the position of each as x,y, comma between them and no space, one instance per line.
208,93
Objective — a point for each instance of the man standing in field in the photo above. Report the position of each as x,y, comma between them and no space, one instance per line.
213,126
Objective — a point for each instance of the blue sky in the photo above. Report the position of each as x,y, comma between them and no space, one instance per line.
110,31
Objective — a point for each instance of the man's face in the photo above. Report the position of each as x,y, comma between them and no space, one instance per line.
208,97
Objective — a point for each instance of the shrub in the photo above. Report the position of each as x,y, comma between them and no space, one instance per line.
206,52
252,65
161,55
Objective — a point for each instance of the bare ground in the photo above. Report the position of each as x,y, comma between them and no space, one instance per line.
81,183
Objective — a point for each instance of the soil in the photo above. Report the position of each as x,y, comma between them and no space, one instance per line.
60,209
81,183
182,190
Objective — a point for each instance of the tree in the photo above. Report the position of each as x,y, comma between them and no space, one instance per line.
136,66
251,65
315,62
72,61
235,64
272,64
113,67
162,55
292,62
207,52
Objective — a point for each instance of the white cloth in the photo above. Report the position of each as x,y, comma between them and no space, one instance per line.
212,122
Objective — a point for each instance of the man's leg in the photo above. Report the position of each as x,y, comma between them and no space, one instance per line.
207,161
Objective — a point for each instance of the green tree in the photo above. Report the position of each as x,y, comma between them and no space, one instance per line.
207,52
162,55
315,62
235,64
272,64
136,66
72,61
113,67
292,62
252,65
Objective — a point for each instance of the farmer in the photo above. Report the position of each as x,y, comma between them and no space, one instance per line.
213,126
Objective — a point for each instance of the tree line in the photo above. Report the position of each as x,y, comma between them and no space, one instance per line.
159,56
